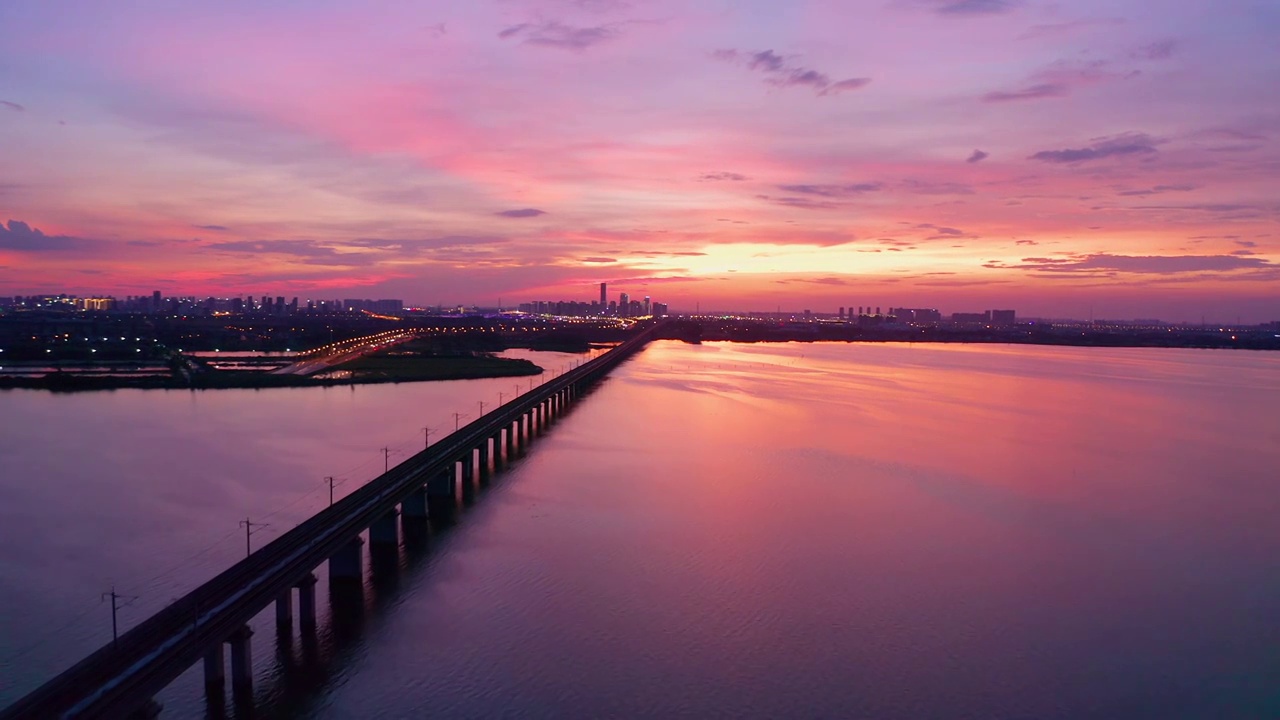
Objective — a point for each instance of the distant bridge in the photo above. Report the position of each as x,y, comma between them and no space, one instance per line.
120,679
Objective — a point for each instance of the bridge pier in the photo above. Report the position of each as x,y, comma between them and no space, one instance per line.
484,458
348,563
415,506
242,665
307,602
467,469
440,495
284,612
215,671
384,530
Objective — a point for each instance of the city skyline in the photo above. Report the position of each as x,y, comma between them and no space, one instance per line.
1100,159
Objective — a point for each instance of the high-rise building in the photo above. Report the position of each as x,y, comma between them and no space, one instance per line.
604,300
648,306
1003,317
624,305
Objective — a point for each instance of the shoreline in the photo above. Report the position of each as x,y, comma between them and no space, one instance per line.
69,382
482,368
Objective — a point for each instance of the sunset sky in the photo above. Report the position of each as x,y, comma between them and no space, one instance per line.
1117,157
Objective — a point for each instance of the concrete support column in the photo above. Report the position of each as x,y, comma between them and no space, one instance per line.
348,563
484,457
284,611
441,485
468,467
415,506
242,664
215,671
511,438
384,530
307,602
441,495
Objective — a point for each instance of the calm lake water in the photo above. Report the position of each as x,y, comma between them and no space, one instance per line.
794,530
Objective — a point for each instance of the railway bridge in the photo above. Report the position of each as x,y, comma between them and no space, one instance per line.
120,679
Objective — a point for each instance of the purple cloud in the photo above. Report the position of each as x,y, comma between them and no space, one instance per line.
1157,190
766,60
719,176
215,228
1162,50
802,203
1034,92
1138,264
559,35
20,236
971,7
940,231
521,213
781,74
933,187
977,157
800,76
832,191
339,254
12,106
1127,145
843,85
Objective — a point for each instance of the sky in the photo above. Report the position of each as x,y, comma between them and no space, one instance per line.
1115,158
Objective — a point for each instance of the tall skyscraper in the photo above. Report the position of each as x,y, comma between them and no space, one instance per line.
648,306
624,305
604,300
